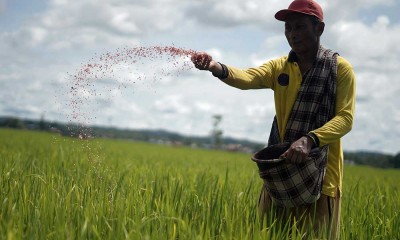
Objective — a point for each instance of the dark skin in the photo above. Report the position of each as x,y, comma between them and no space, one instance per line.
303,35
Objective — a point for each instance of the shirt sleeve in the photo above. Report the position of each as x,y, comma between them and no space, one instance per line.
342,122
251,78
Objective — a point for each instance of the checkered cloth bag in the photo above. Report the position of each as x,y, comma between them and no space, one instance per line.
291,185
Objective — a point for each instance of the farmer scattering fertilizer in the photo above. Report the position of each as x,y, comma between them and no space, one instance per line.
314,90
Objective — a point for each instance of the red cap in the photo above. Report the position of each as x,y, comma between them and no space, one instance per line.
308,7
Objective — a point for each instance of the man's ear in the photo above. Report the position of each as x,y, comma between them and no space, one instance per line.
320,28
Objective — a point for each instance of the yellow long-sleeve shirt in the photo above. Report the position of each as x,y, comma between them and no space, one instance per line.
266,76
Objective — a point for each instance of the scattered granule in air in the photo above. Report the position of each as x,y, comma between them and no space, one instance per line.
84,85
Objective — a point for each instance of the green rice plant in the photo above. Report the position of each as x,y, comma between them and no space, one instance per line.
54,187
371,204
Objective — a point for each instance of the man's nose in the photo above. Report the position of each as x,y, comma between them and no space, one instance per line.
292,35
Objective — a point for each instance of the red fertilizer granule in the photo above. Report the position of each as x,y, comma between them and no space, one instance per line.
84,87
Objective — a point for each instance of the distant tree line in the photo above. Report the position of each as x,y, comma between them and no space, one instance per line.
380,160
158,136
374,159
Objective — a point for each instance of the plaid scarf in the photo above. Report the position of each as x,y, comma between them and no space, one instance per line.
315,102
292,185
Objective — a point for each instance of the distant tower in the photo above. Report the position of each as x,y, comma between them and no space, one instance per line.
216,133
42,124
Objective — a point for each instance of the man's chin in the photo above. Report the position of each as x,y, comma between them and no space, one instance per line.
297,50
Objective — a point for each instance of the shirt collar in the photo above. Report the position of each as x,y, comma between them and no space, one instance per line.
292,57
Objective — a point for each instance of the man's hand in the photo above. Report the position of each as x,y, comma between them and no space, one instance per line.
299,150
201,60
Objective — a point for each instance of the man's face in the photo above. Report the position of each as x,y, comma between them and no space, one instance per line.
301,33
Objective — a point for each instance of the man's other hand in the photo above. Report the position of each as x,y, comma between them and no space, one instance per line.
299,150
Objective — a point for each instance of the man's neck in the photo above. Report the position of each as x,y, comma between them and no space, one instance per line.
307,57
306,60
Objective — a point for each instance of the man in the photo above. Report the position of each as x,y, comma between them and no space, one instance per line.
322,85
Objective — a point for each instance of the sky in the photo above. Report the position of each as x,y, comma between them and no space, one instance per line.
45,42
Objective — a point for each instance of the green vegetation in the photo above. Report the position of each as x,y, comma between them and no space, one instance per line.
161,136
373,159
53,187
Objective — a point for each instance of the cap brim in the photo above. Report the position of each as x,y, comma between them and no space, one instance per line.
282,14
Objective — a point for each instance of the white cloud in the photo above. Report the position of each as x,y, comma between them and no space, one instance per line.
171,105
38,35
351,10
369,46
203,106
215,53
372,50
259,112
122,22
354,5
228,13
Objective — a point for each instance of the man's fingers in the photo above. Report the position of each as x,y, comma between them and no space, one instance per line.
295,154
201,60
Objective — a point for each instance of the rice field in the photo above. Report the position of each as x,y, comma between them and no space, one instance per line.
53,187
